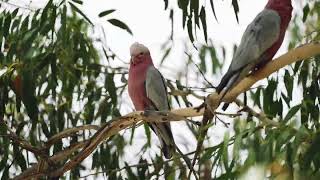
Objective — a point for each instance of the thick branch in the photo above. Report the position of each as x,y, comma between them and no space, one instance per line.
70,132
301,53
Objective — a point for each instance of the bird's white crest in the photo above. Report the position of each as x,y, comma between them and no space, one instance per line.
137,48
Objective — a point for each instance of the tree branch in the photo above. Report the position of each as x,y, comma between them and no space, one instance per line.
41,169
261,116
69,132
118,124
303,52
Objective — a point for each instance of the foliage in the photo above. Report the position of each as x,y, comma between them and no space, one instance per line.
54,76
50,73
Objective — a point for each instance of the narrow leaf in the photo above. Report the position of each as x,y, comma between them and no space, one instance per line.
213,11
14,13
165,55
204,23
189,24
148,134
166,3
78,1
75,8
6,25
120,24
306,11
292,112
225,156
236,8
104,13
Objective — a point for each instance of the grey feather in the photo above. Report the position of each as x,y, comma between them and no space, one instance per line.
259,36
157,94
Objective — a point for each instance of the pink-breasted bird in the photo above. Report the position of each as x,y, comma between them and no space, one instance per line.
260,42
147,90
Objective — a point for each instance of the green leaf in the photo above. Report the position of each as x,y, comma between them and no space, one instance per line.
209,153
75,8
312,153
292,112
15,25
204,23
142,170
5,173
213,11
120,24
148,134
45,129
131,175
14,13
306,11
215,62
268,102
236,146
28,94
6,26
64,25
189,25
111,88
104,13
44,14
202,56
194,7
104,110
166,3
18,156
297,66
225,156
78,1
132,134
286,99
288,82
236,8
166,53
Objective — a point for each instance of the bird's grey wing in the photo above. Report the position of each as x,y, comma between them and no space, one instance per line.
259,36
156,89
157,93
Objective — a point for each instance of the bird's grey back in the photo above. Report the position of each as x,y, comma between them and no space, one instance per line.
259,36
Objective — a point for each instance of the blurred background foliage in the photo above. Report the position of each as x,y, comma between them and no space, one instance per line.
54,76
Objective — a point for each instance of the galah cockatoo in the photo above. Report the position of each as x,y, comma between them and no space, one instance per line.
147,90
260,42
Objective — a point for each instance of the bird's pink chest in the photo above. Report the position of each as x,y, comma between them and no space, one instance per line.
136,88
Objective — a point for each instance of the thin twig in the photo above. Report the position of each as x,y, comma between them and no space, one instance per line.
206,120
202,74
176,92
224,123
261,116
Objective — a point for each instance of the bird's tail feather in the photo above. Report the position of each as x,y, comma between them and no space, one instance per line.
167,149
163,131
168,145
227,82
224,81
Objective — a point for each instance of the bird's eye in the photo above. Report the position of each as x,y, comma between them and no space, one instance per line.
141,53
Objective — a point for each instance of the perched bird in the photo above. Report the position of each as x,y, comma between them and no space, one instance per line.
147,90
260,42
